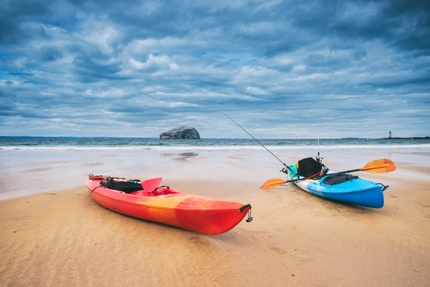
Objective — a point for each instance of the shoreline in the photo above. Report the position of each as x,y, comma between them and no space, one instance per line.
60,236
27,172
225,147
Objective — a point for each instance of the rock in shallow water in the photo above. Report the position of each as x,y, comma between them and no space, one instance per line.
181,133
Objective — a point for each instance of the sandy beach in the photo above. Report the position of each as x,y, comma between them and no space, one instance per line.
54,234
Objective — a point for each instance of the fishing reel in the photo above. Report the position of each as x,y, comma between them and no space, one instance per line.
319,158
284,170
324,169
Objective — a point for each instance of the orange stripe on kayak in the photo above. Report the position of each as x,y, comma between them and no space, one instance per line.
163,208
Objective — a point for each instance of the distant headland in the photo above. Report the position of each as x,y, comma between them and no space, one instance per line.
390,137
407,138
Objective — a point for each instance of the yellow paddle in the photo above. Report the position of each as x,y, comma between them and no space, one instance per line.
375,166
382,165
274,182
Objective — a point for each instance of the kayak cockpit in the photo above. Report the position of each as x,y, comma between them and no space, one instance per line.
133,186
161,190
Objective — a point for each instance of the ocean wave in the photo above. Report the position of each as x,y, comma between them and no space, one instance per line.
220,148
96,143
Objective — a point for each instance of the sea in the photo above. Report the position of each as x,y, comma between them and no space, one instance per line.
111,143
27,157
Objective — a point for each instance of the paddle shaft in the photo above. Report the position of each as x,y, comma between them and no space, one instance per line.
351,170
299,179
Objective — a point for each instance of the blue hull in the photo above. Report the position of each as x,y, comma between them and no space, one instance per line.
356,191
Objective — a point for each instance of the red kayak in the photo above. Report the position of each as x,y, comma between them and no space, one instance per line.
149,201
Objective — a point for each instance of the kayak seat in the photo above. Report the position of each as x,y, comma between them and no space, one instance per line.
164,190
337,178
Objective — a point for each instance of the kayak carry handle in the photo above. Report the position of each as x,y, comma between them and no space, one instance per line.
250,218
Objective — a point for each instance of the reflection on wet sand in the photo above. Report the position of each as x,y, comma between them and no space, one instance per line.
180,156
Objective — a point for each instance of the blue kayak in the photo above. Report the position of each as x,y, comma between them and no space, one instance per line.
342,187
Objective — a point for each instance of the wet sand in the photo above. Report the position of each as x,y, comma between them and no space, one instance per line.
54,234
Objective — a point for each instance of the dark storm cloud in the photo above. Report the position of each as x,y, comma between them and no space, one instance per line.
272,65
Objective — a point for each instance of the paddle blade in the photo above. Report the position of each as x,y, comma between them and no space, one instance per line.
274,182
382,165
151,184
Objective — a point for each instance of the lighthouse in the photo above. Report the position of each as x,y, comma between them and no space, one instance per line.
389,135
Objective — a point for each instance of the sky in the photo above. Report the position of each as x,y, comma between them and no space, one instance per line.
281,69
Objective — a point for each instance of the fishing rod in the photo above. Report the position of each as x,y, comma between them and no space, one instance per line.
257,141
318,158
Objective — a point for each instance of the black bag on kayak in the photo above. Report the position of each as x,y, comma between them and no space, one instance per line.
308,167
125,186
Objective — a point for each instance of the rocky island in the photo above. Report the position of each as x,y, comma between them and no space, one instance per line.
182,132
